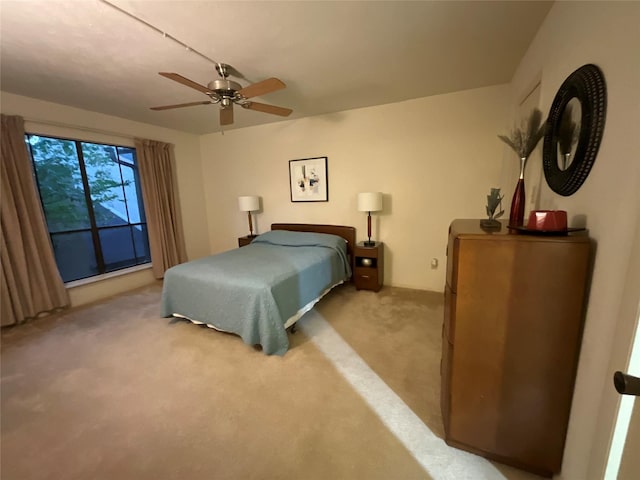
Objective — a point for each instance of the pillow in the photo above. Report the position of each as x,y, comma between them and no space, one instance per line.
302,239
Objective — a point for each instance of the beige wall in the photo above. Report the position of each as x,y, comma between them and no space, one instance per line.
433,158
606,34
53,119
416,152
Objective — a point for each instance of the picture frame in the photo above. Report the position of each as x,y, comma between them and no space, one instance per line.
308,180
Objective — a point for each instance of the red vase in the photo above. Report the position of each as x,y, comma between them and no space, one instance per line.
516,214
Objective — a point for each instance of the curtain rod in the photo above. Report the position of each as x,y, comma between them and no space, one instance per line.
78,127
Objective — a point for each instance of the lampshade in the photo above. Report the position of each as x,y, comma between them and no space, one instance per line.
249,203
370,202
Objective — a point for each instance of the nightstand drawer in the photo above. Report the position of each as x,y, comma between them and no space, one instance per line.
366,278
366,272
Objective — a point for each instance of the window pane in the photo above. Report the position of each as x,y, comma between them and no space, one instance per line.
75,255
127,155
60,183
105,183
132,187
131,194
141,241
117,248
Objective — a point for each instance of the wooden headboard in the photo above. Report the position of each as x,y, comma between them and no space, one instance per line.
348,233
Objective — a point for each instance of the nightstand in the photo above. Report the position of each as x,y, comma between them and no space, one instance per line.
246,240
369,269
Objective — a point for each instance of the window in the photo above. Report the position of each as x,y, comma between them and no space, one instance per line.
92,202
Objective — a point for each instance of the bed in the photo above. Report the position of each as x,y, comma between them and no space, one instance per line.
260,290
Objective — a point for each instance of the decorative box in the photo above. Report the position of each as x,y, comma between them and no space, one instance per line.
547,220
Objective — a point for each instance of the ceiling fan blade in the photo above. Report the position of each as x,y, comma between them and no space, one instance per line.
185,81
226,115
263,107
180,105
261,88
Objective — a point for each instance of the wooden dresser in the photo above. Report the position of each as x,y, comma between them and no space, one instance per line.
510,342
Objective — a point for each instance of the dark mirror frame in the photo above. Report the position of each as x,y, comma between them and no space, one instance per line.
588,86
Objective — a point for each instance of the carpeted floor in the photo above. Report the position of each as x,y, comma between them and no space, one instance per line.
114,391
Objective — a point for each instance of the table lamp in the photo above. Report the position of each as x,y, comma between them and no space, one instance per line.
249,204
369,202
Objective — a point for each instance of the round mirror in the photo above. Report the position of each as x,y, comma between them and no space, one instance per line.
574,130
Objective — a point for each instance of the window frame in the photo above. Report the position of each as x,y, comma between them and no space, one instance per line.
94,229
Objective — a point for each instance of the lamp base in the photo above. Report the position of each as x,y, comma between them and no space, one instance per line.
368,243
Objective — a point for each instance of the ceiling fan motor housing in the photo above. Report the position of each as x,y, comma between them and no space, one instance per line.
224,88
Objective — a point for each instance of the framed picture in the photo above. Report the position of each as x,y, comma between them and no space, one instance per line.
308,180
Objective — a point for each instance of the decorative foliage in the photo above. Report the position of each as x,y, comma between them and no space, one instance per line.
567,131
523,139
494,200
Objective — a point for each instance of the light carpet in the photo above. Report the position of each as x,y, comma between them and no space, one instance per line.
114,391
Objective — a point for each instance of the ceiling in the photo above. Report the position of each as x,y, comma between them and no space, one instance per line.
333,56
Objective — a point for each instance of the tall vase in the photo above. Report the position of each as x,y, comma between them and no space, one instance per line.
516,214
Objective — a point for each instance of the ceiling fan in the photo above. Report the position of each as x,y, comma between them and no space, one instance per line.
227,92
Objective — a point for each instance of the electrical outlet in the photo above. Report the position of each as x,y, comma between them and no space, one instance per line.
434,263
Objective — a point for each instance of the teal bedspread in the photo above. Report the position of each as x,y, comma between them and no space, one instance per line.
253,290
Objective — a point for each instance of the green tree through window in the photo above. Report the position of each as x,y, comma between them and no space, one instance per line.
92,202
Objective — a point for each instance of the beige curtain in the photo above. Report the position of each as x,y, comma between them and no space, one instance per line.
159,191
31,283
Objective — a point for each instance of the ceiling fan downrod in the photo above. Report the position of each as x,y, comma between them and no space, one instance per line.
222,68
